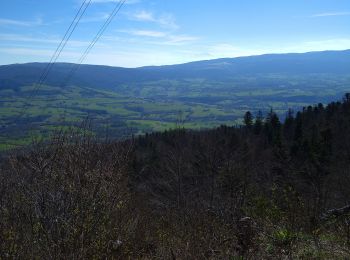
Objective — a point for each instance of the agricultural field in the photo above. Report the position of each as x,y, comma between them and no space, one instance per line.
53,109
137,108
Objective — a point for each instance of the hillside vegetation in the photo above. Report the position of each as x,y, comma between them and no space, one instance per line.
202,94
266,190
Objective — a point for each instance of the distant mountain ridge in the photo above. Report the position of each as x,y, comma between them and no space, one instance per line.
333,62
201,94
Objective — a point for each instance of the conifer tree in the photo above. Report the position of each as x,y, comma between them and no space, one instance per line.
258,122
248,120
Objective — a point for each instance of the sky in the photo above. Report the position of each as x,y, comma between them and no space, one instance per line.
161,32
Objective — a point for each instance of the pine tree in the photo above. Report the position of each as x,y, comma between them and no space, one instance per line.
258,122
248,120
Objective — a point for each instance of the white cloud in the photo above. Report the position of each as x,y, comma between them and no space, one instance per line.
181,38
18,38
166,38
155,34
331,14
174,40
144,16
168,21
34,53
164,20
114,1
20,22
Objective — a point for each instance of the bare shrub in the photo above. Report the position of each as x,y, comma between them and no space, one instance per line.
69,198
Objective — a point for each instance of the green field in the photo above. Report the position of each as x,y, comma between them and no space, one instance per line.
158,105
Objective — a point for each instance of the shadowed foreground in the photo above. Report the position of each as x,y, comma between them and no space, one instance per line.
266,190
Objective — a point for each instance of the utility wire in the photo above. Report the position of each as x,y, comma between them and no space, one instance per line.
63,43
103,28
83,7
73,25
115,11
56,54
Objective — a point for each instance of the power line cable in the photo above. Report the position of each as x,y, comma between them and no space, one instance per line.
115,11
62,43
103,28
56,54
73,25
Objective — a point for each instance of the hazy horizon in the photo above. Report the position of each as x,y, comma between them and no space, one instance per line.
91,64
164,32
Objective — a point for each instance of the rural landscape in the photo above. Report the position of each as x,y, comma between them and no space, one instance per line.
170,130
200,95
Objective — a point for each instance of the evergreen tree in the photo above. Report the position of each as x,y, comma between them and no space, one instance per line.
258,122
273,128
288,124
248,120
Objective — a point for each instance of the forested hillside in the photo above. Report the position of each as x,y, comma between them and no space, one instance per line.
266,190
107,77
203,94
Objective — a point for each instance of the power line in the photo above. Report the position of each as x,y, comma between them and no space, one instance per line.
64,42
115,11
73,25
103,28
56,54
66,38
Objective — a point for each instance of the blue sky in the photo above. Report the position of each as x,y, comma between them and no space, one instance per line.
158,32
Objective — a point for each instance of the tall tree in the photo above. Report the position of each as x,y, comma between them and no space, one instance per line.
258,122
248,120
